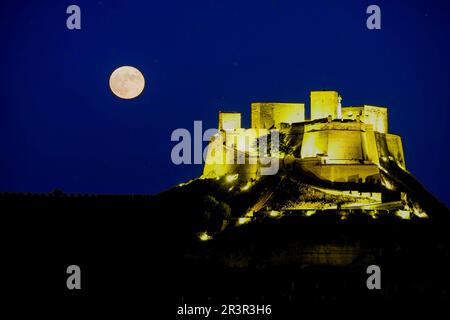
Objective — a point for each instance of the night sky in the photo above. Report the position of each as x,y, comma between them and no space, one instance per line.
62,128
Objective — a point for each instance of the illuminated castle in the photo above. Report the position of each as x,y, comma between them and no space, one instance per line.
337,144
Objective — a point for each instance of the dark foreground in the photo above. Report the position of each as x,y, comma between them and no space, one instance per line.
135,257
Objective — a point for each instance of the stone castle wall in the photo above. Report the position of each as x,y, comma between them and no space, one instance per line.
337,150
267,115
374,115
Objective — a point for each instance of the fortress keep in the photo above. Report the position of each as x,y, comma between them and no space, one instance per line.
336,144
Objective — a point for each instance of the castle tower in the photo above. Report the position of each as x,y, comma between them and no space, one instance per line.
324,104
229,120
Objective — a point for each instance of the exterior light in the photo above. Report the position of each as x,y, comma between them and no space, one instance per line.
243,220
309,213
247,186
204,236
404,214
420,214
274,213
249,214
373,214
232,177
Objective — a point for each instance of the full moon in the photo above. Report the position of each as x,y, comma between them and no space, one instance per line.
127,82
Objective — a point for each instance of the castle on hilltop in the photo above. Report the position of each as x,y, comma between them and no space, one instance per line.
336,144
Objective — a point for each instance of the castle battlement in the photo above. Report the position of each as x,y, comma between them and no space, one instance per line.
337,143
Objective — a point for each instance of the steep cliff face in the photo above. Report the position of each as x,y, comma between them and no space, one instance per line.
306,239
295,192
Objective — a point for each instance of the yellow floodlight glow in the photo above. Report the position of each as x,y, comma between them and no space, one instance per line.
204,236
404,214
249,214
247,186
274,213
185,183
231,177
309,213
243,220
373,214
420,214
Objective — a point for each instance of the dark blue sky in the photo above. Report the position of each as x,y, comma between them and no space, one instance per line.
60,126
